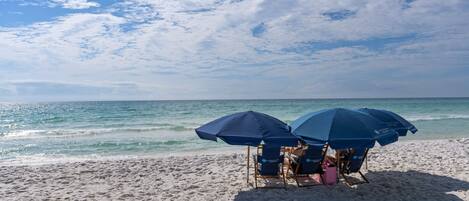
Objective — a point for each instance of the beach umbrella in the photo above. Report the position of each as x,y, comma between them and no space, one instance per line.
248,128
342,128
392,120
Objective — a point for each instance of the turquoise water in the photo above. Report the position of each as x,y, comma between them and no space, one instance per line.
41,131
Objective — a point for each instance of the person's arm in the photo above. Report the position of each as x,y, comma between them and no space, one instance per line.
298,151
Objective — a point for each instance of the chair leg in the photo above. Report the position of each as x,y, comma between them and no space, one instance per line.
255,176
297,182
255,181
346,180
322,179
363,176
365,180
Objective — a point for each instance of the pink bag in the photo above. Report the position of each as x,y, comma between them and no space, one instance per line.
330,173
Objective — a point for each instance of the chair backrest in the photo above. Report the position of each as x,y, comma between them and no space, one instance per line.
355,160
270,160
311,160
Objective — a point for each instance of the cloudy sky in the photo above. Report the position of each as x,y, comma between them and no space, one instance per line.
232,49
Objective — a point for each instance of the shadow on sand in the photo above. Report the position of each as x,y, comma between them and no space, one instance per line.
384,185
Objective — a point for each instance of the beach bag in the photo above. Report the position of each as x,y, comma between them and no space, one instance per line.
330,173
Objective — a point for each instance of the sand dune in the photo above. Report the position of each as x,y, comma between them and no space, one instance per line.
411,170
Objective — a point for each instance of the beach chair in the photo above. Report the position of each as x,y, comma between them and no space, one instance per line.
268,163
352,163
307,164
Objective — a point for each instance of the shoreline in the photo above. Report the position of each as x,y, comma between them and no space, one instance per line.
227,149
410,170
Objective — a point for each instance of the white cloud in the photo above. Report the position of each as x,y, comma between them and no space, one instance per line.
75,4
180,49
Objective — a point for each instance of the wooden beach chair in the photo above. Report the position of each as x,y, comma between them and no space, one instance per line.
307,164
351,163
268,164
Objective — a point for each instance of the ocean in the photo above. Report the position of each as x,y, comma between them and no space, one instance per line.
67,131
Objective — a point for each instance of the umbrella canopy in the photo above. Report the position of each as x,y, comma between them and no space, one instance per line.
248,128
392,120
342,128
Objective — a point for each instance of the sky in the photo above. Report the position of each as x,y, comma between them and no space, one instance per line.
66,50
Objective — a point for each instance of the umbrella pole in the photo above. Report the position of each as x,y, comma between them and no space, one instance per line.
247,172
366,162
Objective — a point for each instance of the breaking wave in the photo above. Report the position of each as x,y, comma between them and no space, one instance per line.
90,131
437,117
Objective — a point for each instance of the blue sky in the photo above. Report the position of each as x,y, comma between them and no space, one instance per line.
53,50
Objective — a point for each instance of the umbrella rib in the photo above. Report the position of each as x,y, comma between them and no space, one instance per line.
363,125
260,126
332,123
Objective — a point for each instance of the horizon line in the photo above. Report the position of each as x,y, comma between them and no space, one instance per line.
235,99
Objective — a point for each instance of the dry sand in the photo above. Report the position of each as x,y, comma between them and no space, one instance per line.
410,170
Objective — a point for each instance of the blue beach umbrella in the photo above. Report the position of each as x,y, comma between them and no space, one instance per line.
392,120
342,128
248,128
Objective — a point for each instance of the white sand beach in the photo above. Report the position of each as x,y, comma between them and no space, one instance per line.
408,170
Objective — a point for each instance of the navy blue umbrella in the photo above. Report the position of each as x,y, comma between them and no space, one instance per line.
248,128
342,128
392,120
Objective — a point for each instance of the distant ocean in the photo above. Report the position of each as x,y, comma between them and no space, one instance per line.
41,132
